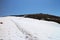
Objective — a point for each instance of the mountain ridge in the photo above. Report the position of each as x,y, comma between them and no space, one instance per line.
41,16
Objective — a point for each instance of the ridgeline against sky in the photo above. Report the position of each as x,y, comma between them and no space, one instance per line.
41,16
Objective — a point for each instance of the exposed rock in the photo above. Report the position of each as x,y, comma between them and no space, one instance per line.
1,22
44,17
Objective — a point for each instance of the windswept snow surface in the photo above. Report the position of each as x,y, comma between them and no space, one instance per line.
20,28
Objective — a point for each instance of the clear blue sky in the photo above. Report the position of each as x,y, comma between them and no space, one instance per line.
18,7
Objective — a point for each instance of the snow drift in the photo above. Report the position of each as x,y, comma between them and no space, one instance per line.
20,28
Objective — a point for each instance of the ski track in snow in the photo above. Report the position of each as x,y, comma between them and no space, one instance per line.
20,28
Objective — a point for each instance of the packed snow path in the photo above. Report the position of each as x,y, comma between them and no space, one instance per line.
20,28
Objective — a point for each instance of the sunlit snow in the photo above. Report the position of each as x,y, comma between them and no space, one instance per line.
20,28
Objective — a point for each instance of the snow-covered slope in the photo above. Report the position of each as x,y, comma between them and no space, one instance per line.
20,28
